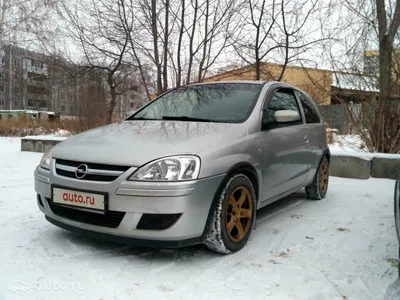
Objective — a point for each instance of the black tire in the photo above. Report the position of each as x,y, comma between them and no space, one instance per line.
226,240
319,187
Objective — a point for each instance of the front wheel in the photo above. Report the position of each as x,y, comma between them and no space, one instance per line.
234,216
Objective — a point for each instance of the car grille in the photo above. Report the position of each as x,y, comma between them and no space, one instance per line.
95,172
111,219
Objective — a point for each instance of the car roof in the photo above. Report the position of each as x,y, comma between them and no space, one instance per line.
260,82
229,81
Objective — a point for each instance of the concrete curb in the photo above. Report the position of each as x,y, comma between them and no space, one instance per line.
37,145
347,165
385,168
350,167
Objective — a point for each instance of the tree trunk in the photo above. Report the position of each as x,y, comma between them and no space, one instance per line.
155,45
166,35
113,100
385,87
258,68
178,54
386,33
206,33
191,51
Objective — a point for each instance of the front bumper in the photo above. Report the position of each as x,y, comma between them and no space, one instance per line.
131,201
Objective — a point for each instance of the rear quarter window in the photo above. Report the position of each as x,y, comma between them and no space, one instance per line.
310,112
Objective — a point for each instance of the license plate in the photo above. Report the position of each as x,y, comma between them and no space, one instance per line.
79,199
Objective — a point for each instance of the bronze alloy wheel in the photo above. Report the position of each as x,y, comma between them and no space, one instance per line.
239,214
323,176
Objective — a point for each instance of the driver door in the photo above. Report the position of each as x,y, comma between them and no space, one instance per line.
286,159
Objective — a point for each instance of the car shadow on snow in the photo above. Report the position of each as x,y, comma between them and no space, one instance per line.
90,246
393,291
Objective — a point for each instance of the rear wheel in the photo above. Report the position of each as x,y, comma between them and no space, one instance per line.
234,216
318,188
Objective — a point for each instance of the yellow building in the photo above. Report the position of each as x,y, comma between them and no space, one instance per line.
371,66
324,86
316,82
371,62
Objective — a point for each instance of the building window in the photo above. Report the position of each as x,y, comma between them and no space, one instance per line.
62,108
1,74
37,90
34,103
2,60
16,62
2,102
37,64
37,77
1,88
371,64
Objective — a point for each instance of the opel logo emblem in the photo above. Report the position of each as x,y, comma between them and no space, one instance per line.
81,171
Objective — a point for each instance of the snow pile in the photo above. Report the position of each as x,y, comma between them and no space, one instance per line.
59,135
20,132
346,143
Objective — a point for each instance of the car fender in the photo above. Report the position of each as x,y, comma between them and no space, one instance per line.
245,167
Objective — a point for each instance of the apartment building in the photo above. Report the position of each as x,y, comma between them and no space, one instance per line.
33,81
24,80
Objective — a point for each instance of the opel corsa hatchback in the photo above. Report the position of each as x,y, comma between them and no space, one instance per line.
192,166
397,215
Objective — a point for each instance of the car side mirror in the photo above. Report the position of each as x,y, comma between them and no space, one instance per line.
286,116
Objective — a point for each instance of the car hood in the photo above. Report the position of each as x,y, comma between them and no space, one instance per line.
134,143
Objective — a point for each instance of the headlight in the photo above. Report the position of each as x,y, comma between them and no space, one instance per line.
45,161
174,168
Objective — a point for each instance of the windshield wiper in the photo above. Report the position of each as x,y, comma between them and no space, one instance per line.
186,118
140,118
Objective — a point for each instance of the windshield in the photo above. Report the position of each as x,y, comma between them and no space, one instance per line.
222,102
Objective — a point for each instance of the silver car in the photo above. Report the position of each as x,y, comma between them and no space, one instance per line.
192,166
397,215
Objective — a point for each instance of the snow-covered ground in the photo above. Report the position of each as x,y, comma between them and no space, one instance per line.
347,143
343,247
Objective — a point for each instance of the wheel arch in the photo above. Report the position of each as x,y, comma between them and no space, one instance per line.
327,153
247,170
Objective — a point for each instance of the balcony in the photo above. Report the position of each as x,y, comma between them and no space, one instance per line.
37,97
38,83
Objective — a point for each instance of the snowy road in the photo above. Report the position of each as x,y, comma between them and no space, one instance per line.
343,247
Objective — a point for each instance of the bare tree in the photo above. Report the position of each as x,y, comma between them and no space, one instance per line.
388,26
365,68
98,28
19,18
184,38
270,29
202,35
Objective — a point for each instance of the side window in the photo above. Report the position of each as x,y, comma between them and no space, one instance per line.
309,111
283,99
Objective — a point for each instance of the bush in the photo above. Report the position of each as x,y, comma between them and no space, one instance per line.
24,126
